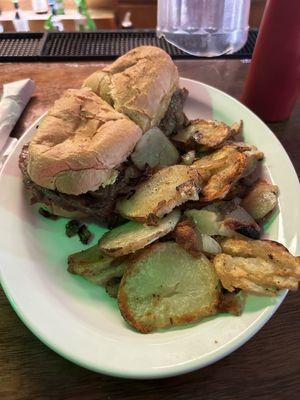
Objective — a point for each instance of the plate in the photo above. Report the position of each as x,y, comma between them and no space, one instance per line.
79,320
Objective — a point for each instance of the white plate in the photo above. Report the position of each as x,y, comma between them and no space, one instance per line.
79,320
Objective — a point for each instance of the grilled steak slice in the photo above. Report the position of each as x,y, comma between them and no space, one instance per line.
175,118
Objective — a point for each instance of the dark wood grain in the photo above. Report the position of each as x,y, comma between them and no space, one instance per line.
267,367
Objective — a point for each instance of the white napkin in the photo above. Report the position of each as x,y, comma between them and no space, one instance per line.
14,99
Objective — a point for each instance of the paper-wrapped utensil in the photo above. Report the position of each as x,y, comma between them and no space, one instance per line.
14,99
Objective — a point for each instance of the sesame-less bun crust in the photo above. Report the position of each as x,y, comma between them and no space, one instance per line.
79,143
139,84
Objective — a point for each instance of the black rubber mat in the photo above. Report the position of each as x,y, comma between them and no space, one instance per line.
55,46
16,46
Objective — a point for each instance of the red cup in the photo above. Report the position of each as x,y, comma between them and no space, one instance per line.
273,82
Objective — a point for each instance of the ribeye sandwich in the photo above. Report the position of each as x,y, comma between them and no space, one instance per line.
76,155
77,163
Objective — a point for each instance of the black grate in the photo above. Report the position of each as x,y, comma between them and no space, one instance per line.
111,44
20,45
55,46
102,44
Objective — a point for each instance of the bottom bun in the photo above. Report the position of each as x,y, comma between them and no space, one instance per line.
61,212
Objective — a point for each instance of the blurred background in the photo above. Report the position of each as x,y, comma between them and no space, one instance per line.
107,14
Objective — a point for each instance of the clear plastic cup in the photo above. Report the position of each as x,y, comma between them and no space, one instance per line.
204,27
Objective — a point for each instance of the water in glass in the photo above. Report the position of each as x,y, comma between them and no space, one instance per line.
204,27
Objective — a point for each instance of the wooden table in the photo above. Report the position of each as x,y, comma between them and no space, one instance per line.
267,367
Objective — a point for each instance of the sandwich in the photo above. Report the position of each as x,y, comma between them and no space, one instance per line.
76,156
78,163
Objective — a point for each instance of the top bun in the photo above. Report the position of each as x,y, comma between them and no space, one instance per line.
79,143
139,84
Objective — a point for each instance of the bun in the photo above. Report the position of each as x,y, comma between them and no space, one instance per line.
79,143
139,84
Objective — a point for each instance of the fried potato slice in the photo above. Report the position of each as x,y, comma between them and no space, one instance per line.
166,286
238,220
220,170
214,161
221,182
193,241
208,221
161,193
133,235
224,218
266,249
94,265
207,134
257,266
154,149
261,199
88,262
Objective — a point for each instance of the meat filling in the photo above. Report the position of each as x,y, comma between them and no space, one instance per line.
175,119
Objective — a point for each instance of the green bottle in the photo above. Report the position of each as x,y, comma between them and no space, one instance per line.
84,22
53,23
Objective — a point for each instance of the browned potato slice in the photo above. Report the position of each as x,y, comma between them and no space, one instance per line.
207,220
220,170
224,218
154,149
221,182
88,262
238,220
94,265
211,163
261,199
133,236
257,266
207,134
166,286
193,241
266,249
161,193
253,275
